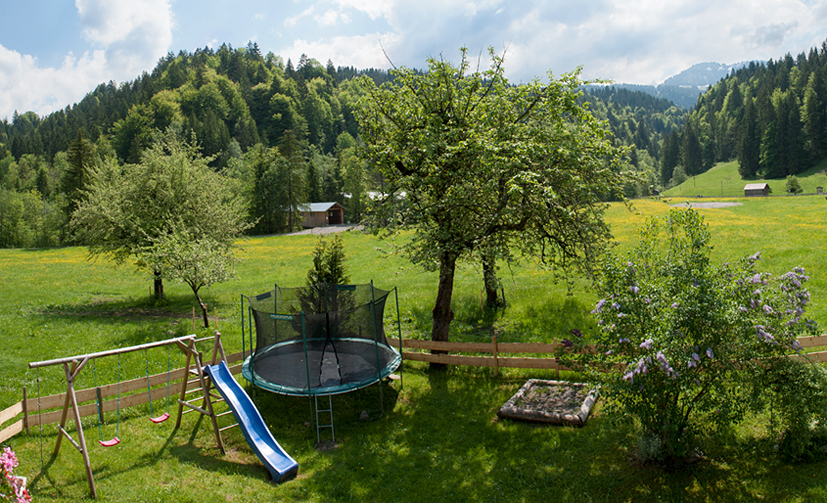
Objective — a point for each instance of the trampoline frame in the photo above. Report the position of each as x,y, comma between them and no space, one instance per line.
248,368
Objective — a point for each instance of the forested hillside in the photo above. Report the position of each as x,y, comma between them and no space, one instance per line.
640,121
284,130
260,119
771,117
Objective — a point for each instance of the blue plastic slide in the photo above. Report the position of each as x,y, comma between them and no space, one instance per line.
280,464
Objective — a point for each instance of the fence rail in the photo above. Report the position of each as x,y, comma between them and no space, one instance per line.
441,353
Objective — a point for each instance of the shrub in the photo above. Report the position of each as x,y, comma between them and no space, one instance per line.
795,393
678,336
793,185
328,263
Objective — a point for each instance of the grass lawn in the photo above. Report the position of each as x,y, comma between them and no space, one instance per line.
439,438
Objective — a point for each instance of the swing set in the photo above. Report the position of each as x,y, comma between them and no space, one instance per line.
73,365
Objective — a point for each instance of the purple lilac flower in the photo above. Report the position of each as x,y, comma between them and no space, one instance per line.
756,256
647,344
756,279
8,459
623,339
743,309
696,357
691,364
765,336
566,343
615,306
674,305
709,353
576,332
647,301
634,289
768,309
599,306
796,346
664,364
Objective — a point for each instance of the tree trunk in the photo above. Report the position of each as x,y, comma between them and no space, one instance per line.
204,311
442,313
489,277
159,286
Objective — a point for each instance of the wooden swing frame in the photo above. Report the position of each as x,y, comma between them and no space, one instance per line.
73,365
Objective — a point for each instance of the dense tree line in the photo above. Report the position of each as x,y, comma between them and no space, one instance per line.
771,117
642,122
258,119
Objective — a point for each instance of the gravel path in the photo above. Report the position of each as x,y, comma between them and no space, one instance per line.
704,204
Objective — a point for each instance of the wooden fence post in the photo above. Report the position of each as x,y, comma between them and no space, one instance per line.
496,361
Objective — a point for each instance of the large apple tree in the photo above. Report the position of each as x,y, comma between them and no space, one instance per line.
475,164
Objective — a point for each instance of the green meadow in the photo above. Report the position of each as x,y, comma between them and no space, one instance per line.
439,438
723,180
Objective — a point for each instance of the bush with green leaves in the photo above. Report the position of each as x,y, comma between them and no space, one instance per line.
794,391
681,339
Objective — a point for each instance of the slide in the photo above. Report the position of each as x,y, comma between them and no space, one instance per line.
280,464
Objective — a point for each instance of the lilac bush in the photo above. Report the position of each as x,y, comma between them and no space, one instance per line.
680,338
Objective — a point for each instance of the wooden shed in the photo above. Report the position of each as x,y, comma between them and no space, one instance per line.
321,214
756,190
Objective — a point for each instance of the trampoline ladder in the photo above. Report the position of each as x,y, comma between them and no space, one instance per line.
329,411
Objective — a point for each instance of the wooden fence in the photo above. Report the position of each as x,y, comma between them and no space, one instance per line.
37,411
48,409
495,350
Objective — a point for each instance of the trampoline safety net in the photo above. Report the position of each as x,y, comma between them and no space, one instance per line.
322,339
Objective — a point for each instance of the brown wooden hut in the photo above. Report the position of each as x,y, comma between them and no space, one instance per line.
321,214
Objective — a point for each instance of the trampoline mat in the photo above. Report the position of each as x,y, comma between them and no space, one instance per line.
334,367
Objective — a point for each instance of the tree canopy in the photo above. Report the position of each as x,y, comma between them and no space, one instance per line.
470,161
160,212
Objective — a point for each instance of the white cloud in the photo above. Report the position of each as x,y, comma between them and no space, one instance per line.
135,34
330,18
373,8
126,38
24,86
361,51
294,20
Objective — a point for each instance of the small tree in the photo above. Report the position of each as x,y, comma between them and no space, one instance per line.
198,261
328,263
793,185
681,338
144,211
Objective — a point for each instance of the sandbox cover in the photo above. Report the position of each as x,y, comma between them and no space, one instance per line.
555,402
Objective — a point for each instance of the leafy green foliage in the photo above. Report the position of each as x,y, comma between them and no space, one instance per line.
159,211
793,185
679,336
328,263
794,391
477,161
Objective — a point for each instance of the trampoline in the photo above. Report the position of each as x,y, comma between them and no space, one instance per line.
318,340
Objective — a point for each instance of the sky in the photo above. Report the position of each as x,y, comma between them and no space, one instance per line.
54,52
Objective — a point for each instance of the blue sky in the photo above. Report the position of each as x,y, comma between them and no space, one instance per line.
53,52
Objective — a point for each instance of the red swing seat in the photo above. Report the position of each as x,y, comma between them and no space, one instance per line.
160,419
110,443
